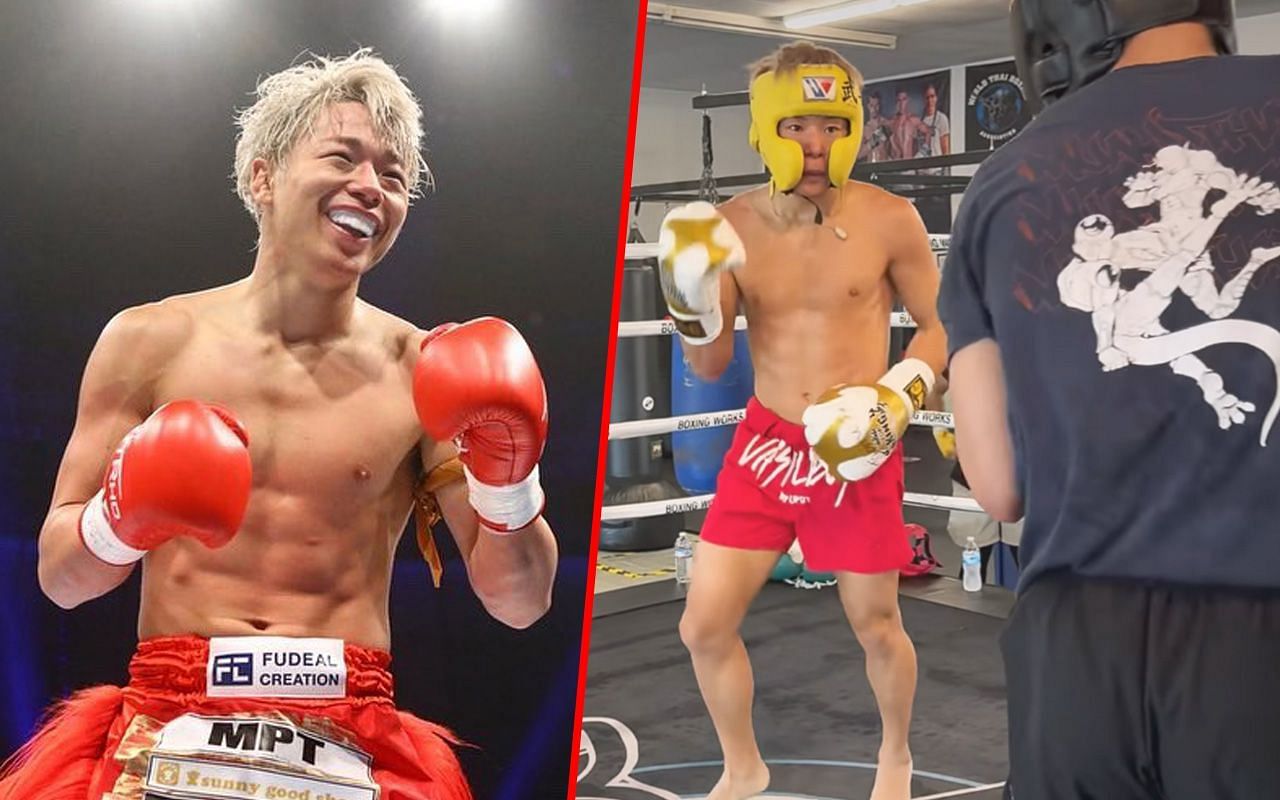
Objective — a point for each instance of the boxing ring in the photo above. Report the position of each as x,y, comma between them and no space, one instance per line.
646,732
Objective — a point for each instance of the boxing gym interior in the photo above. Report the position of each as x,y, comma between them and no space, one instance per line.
645,726
119,127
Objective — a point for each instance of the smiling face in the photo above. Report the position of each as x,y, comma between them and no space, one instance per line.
340,197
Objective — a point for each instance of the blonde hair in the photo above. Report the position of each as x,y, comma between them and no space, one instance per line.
789,56
290,101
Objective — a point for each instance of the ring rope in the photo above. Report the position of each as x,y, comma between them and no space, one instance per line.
641,251
655,508
661,327
665,327
635,429
701,502
688,422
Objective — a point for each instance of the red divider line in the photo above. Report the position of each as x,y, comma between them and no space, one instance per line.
607,394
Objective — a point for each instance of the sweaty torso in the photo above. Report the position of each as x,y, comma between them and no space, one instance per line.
334,445
817,306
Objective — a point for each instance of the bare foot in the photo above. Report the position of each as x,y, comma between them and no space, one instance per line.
741,787
893,777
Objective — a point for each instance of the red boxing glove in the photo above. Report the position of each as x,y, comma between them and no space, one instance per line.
185,471
478,383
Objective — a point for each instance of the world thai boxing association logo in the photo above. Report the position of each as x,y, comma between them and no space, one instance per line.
233,669
999,104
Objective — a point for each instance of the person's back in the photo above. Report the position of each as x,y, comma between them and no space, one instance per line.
1128,272
1111,310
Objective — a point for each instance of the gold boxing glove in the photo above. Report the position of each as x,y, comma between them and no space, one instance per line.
854,429
695,244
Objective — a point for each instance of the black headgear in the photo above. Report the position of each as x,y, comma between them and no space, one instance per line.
1061,45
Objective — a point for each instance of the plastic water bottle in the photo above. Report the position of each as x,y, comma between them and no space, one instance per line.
972,560
684,557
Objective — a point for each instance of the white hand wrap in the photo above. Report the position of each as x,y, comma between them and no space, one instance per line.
100,540
504,509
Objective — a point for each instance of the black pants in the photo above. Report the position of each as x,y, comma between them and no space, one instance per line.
1121,691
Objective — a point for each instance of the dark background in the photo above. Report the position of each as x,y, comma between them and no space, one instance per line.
117,134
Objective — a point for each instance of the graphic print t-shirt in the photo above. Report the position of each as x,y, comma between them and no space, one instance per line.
1124,252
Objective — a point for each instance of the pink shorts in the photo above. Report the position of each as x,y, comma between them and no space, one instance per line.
772,490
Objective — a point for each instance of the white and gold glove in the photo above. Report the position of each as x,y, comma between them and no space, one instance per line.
696,243
854,429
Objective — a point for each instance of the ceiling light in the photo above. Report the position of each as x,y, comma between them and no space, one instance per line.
471,9
759,26
843,11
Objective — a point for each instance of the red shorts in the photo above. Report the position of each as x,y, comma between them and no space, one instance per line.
771,491
164,736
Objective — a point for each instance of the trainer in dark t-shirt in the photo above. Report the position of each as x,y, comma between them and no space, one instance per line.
1124,252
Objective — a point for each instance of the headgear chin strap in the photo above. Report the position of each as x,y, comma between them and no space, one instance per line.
822,90
1062,45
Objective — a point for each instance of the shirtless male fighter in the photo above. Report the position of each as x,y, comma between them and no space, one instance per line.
814,261
256,448
909,131
876,133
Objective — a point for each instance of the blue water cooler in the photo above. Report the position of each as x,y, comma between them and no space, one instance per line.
698,454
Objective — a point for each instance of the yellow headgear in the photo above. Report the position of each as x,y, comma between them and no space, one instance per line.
823,90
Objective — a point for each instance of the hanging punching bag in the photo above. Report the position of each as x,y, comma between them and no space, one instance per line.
634,467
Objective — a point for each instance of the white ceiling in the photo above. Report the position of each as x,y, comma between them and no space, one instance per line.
932,35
